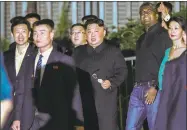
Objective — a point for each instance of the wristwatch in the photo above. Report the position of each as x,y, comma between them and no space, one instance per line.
167,18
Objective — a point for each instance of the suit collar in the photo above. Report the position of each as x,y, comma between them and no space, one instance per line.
98,49
52,57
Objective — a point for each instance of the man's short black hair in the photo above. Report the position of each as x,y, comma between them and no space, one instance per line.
168,5
20,21
147,4
33,15
17,18
77,24
88,17
99,22
48,22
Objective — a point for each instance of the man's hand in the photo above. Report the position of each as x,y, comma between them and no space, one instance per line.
150,95
16,125
163,10
106,84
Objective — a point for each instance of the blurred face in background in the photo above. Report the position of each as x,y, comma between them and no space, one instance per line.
43,36
78,36
95,34
21,34
175,31
32,20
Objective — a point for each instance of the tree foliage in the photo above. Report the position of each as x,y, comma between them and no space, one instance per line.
4,44
182,13
64,23
128,35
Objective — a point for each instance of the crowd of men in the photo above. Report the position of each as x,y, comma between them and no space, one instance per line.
54,89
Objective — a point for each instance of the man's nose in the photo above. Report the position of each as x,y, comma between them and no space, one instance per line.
36,36
92,34
76,34
20,35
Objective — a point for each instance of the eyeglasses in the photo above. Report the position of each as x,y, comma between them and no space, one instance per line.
78,33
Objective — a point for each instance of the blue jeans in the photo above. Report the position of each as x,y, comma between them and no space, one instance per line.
138,110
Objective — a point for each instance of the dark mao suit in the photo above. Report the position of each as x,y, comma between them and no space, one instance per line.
99,105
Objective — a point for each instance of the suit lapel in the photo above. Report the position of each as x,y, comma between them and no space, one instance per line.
51,59
28,53
12,64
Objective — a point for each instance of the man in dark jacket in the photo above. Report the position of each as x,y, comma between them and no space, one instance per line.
101,69
150,50
56,93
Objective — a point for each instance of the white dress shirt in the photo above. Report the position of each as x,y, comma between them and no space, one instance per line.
19,56
44,61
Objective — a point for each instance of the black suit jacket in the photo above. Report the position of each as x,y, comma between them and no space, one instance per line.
20,83
58,96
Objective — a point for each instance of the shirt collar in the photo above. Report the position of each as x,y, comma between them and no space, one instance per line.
98,49
23,50
46,53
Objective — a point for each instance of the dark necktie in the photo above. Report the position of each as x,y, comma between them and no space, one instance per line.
38,72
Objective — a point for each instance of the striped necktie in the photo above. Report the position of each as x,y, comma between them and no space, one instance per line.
38,71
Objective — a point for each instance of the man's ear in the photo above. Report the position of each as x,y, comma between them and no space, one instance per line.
29,33
104,32
52,34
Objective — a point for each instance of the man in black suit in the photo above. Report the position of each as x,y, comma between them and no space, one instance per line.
105,67
55,91
16,61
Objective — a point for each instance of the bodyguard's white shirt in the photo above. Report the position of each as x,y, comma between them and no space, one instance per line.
44,61
19,56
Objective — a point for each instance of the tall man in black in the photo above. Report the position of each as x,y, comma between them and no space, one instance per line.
55,83
104,66
150,50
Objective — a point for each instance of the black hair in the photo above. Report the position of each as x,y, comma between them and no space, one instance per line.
181,21
48,22
99,22
20,21
17,18
88,17
147,4
33,15
77,24
168,5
